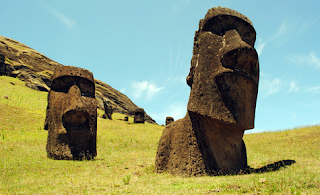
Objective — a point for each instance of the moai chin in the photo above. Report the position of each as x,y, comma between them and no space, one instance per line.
223,77
169,120
71,118
138,115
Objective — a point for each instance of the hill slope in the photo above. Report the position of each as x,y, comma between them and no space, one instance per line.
36,69
126,155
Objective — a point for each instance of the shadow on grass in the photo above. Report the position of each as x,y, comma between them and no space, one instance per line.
271,167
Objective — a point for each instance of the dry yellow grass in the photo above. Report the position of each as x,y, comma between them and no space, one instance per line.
126,154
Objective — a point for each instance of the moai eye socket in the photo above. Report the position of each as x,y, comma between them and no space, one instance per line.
219,25
63,84
87,88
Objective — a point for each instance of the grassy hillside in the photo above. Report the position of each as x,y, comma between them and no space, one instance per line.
126,154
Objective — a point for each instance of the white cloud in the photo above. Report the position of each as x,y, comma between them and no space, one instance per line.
311,59
152,90
289,30
268,87
260,47
144,89
314,89
182,3
69,23
285,26
293,86
177,111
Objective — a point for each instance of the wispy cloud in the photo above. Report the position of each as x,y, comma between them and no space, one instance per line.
283,30
293,86
314,89
268,86
64,19
68,22
288,30
260,46
144,89
311,59
179,5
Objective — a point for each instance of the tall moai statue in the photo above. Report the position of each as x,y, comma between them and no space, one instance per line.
71,118
223,77
169,120
138,115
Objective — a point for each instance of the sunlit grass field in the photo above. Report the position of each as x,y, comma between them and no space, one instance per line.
126,154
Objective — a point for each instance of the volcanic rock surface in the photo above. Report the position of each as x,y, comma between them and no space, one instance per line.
223,77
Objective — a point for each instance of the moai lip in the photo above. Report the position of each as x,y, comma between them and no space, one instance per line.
223,77
71,118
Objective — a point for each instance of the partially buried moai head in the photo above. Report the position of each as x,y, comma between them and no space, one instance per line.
169,120
71,114
224,71
139,115
107,109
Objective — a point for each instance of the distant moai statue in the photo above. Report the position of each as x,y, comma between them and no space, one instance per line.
2,65
71,118
126,118
107,109
223,77
169,120
139,115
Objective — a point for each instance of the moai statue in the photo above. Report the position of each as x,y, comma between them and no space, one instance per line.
108,110
223,77
126,118
169,120
2,65
139,115
71,115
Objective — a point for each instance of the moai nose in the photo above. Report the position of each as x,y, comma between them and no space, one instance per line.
239,55
76,118
75,96
233,39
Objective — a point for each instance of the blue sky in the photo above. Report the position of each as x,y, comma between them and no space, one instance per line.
144,48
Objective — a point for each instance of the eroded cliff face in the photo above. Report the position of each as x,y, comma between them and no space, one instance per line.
35,70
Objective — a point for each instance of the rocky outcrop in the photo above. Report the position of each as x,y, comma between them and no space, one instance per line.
35,70
223,77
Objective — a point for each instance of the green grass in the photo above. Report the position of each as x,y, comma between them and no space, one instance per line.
126,154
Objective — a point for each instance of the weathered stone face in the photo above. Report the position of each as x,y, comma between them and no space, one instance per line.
169,120
223,78
224,70
2,65
108,110
139,115
71,115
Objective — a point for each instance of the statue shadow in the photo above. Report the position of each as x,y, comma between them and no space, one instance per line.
270,168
